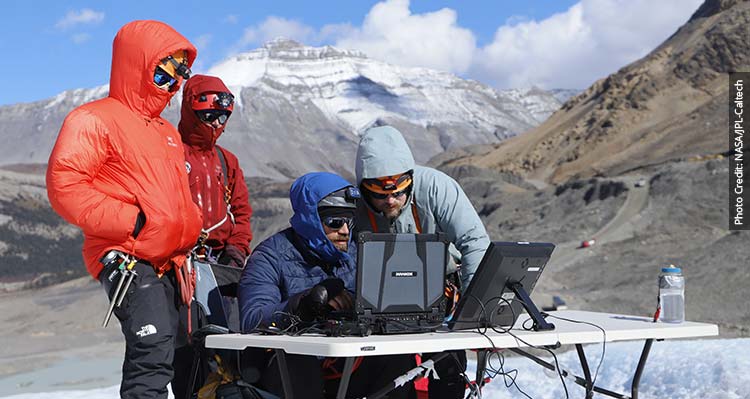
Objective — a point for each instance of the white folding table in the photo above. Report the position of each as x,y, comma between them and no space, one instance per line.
617,328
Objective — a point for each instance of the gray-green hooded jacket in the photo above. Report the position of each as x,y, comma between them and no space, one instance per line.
442,206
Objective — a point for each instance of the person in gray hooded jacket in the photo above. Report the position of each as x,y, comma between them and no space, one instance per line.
402,197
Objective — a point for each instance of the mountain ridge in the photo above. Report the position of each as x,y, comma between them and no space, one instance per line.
297,105
667,106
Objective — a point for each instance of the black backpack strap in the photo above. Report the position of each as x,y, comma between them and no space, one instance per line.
227,190
223,161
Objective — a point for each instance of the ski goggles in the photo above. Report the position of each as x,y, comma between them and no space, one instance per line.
165,74
337,222
210,115
388,184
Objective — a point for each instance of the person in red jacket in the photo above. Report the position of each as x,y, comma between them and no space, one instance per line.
218,188
117,171
216,180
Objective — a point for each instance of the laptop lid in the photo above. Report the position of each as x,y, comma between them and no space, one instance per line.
400,273
490,300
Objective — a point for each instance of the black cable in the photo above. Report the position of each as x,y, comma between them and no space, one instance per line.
604,341
507,376
557,364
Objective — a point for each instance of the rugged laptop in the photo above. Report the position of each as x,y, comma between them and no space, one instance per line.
401,281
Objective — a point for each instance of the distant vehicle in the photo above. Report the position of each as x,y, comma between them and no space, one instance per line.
587,243
640,183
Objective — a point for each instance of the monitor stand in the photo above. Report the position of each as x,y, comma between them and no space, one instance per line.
540,324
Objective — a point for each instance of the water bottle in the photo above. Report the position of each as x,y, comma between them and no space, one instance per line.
672,295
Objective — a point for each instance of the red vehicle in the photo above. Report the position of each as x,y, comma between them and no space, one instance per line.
587,243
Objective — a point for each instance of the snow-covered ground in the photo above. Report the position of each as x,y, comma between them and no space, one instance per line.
695,369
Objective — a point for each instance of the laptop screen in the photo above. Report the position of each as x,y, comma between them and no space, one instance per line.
400,273
490,299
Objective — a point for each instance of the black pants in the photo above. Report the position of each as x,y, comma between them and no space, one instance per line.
306,374
451,384
149,321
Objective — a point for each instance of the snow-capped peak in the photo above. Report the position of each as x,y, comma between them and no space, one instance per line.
354,91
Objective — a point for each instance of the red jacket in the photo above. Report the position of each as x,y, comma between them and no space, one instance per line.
116,156
206,175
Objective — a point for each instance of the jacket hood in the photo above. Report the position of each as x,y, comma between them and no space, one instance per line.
136,51
194,132
382,152
305,194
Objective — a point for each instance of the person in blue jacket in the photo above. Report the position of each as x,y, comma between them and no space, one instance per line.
305,272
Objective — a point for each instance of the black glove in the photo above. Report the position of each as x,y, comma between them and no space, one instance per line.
232,256
140,221
312,304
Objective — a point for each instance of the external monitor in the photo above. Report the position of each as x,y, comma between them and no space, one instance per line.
501,287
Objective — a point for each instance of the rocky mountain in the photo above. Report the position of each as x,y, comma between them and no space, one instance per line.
635,163
301,108
669,105
37,247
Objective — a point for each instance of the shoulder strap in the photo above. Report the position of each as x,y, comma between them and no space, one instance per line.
223,161
416,217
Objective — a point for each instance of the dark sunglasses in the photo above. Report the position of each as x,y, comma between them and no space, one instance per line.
210,115
161,78
337,222
385,196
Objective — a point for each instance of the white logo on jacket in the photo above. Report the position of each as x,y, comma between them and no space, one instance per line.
170,142
146,330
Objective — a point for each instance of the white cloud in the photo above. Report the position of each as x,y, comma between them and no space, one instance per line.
80,38
572,49
231,19
84,16
392,33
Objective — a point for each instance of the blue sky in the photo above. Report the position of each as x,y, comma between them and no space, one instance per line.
49,47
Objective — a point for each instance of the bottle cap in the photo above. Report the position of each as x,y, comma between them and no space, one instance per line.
671,269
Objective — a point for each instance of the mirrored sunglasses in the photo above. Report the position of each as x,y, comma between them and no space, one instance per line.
163,79
380,196
337,222
210,115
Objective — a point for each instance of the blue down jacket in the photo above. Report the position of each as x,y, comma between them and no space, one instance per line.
294,260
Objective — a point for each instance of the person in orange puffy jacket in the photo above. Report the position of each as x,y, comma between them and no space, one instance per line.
118,172
216,180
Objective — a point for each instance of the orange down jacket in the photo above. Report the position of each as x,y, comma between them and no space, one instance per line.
116,156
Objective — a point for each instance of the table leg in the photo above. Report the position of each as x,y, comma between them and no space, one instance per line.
639,369
286,381
586,372
345,377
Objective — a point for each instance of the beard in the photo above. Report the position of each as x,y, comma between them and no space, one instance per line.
341,242
342,246
392,213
